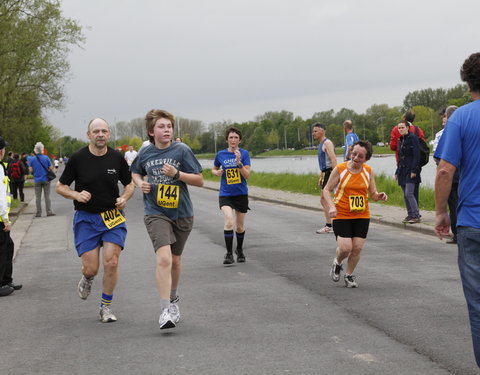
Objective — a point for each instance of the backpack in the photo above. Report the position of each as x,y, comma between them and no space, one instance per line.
15,171
424,149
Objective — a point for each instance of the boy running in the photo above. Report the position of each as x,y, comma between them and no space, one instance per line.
169,167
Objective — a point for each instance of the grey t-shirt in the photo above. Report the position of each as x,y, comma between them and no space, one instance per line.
167,196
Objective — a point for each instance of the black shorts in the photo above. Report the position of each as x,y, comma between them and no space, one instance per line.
325,176
238,203
349,228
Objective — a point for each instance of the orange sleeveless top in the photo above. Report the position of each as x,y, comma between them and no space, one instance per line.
351,193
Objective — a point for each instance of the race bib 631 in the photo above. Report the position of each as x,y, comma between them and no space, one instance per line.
233,176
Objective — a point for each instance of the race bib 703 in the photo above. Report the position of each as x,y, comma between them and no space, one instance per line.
357,203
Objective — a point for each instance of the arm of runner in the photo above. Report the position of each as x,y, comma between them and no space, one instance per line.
217,171
330,150
443,185
245,171
66,192
194,179
141,183
127,194
327,192
372,189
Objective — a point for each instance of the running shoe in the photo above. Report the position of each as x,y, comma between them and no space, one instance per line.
325,229
240,256
84,287
228,259
407,219
174,310
335,271
414,220
166,320
350,281
106,315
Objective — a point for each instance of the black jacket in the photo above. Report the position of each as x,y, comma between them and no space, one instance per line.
408,159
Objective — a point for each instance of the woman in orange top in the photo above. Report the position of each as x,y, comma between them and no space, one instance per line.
352,181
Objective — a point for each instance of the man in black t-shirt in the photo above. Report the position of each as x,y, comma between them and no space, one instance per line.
99,220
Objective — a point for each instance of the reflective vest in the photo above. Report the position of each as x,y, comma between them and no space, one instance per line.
6,182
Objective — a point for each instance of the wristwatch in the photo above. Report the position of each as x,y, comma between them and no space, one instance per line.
177,175
240,165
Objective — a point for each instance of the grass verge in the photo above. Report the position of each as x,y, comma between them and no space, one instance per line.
307,184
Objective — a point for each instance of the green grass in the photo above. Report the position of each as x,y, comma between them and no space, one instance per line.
307,184
205,156
15,203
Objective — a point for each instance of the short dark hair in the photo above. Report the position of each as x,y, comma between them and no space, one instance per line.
367,146
233,129
318,125
470,72
409,116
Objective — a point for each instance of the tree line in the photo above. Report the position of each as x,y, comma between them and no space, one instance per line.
284,130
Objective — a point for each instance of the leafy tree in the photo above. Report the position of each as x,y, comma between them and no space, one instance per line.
273,139
35,41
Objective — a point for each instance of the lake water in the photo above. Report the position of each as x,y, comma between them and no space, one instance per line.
309,164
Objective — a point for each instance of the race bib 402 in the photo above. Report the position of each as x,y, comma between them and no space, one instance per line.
112,218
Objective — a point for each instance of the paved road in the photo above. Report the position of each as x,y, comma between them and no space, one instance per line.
279,313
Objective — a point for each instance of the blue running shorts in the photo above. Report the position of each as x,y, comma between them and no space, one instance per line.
90,232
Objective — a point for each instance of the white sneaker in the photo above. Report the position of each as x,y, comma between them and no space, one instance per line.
335,271
166,320
106,315
174,310
84,287
350,281
324,230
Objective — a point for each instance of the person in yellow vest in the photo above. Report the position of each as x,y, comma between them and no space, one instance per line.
353,181
6,244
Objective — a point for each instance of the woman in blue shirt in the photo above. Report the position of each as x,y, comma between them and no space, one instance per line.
233,166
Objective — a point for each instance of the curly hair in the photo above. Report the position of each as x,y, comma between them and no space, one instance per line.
367,146
470,72
151,118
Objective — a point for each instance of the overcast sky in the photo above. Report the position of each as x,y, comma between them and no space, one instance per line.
215,60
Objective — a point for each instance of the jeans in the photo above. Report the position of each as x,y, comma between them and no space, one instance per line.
468,240
410,201
45,186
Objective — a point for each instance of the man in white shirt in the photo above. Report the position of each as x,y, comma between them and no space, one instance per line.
130,155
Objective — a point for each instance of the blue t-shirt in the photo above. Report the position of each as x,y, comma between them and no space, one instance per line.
350,139
227,160
459,146
38,163
167,196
